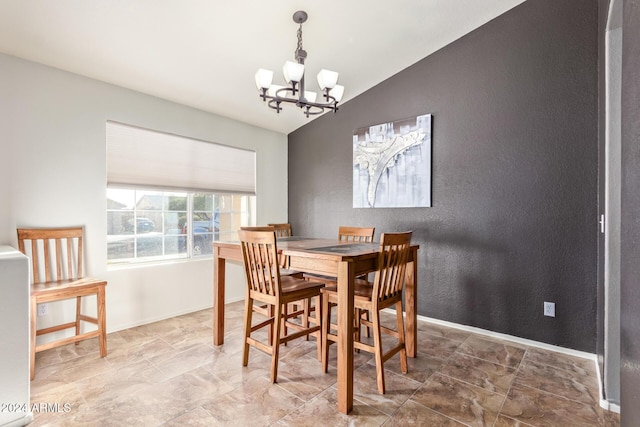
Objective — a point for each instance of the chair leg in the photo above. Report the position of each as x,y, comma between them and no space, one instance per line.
32,337
78,309
306,308
248,312
275,349
403,351
367,330
102,322
285,317
270,330
356,327
318,320
325,326
377,340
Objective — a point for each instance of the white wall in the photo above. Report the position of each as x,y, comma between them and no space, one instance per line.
53,173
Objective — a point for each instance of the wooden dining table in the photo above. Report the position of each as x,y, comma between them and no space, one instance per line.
331,257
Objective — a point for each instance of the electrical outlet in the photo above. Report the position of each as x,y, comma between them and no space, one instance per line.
43,309
550,309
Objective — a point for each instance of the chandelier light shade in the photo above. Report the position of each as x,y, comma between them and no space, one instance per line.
294,92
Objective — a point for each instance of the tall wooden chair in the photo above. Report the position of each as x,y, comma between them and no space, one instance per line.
356,234
266,285
58,252
282,230
386,291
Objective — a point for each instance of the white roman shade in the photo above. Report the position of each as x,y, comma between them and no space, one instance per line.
145,158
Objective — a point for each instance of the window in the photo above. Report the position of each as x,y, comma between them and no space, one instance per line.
148,225
170,197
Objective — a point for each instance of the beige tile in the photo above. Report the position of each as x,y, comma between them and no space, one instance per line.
435,346
443,331
197,417
415,414
460,401
169,373
174,364
256,402
303,377
504,421
55,406
540,408
322,411
398,388
419,368
479,372
496,351
127,380
577,365
560,382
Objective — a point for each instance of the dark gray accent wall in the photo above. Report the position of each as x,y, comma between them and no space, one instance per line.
515,171
630,227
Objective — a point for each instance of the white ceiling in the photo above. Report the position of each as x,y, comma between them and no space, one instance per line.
204,53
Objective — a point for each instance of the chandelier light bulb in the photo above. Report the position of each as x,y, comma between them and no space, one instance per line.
337,92
310,96
264,78
292,71
327,79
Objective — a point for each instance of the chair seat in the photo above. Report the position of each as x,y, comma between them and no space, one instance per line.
61,286
293,285
289,272
361,289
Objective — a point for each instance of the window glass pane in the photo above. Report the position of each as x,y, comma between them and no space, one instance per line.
119,247
151,225
176,201
175,245
203,202
148,200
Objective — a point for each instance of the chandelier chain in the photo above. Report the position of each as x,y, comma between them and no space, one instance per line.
299,47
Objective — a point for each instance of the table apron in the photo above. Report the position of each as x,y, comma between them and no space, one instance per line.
329,267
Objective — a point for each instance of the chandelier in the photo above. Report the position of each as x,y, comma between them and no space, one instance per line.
294,92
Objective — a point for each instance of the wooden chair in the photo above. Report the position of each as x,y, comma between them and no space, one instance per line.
385,292
58,252
347,234
282,230
354,235
266,285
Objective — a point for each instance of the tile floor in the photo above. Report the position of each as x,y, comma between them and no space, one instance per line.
169,374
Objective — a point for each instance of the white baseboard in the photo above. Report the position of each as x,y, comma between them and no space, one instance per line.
605,404
524,341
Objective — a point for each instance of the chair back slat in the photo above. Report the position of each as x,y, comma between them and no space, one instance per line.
356,234
260,259
56,253
392,263
282,230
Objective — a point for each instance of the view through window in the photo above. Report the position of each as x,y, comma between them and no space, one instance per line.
148,225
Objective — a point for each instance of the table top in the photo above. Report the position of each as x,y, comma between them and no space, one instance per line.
320,247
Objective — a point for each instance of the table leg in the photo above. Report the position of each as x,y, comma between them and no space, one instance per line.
345,336
411,305
218,297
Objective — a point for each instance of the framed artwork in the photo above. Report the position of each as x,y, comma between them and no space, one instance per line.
392,164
